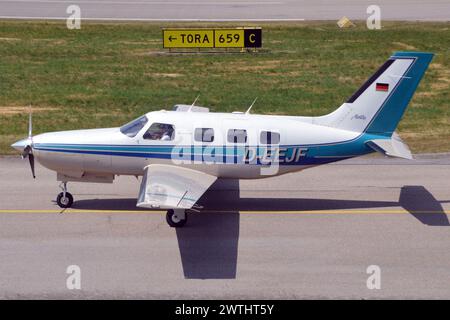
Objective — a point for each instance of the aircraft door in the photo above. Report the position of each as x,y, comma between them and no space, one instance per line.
165,141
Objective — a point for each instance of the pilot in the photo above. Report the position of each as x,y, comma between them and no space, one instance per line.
167,133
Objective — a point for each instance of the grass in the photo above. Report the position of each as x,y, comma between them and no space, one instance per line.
106,74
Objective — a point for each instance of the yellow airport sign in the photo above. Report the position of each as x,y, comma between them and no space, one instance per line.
229,38
212,38
188,38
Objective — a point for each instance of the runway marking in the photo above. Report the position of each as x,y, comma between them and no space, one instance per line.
160,19
306,212
169,3
66,211
345,212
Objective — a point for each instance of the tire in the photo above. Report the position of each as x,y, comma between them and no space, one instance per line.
64,203
173,222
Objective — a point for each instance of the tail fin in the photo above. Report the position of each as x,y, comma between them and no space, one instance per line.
380,103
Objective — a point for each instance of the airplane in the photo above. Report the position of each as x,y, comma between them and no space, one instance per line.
182,152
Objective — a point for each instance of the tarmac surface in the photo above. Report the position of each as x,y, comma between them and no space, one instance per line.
311,234
218,10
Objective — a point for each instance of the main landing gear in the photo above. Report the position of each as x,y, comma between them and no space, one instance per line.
176,218
64,199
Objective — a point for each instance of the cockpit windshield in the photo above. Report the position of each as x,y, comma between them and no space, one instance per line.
132,128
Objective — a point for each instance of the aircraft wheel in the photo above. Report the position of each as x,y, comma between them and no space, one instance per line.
64,202
176,219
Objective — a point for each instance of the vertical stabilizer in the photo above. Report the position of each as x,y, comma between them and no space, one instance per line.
379,104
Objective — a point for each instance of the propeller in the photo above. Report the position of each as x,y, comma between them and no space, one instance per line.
28,152
26,145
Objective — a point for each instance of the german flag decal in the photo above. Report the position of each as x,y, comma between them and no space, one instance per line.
382,87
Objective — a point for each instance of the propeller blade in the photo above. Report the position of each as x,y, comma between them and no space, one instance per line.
31,159
25,146
26,151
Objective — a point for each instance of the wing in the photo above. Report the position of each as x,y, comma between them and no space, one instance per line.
169,187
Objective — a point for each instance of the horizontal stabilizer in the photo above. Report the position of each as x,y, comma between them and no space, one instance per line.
393,147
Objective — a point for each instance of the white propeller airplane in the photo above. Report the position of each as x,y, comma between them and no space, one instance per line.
181,153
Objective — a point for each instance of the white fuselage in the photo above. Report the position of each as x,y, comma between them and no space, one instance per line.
110,152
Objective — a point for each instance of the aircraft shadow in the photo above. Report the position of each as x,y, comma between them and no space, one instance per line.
208,244
128,204
421,204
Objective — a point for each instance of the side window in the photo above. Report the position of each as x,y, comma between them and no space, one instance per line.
204,134
237,136
160,131
269,137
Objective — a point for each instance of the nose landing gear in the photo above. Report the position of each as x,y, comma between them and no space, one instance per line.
64,199
176,218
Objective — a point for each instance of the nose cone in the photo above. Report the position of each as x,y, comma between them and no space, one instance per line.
21,144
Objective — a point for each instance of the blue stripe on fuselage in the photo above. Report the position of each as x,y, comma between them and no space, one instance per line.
311,154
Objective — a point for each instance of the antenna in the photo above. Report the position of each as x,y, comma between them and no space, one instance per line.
248,110
193,103
30,125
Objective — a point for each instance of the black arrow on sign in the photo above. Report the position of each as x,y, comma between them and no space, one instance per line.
172,38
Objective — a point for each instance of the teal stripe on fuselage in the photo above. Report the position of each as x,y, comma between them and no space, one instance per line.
314,153
102,147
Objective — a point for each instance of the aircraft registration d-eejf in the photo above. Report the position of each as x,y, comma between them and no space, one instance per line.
181,153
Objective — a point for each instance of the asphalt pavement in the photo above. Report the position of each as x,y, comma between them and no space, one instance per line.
311,234
221,10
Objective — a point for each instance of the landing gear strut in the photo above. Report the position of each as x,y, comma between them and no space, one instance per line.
176,218
64,199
